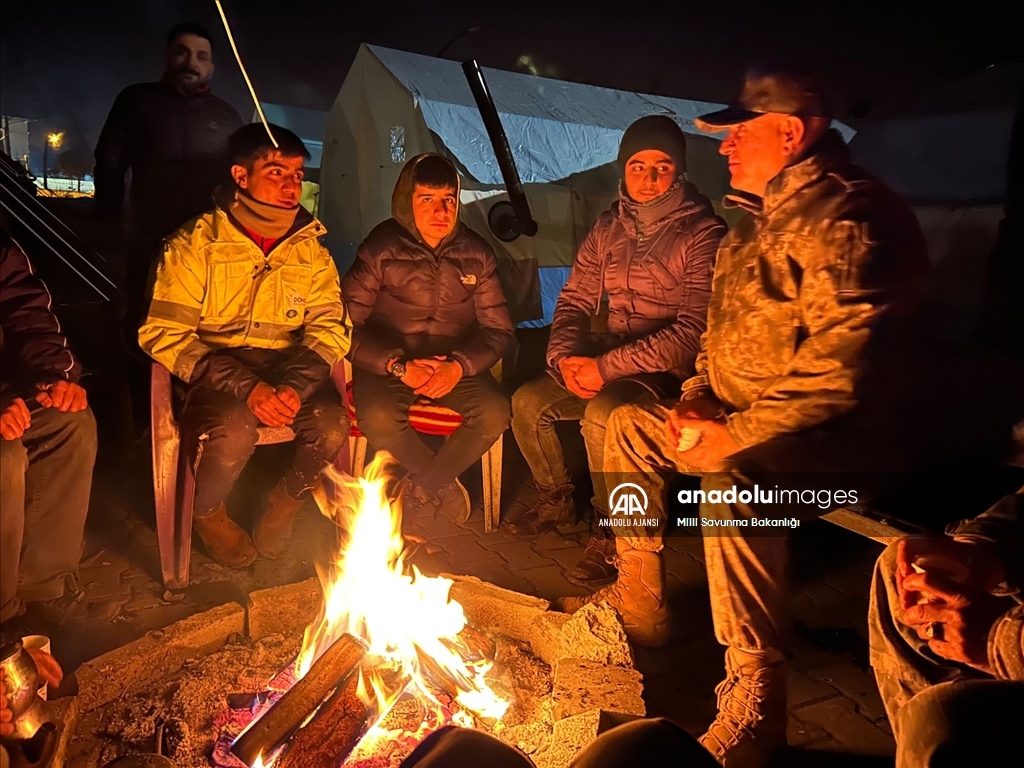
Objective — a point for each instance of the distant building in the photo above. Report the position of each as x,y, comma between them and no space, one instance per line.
14,131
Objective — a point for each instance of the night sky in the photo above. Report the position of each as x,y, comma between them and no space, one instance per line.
63,61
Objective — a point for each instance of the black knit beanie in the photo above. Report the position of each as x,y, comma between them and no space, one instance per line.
654,132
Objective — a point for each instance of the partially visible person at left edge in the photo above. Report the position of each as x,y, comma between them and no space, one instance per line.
47,450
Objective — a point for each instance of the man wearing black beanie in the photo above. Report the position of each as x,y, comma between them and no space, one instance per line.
650,256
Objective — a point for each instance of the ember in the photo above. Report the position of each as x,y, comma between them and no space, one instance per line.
385,632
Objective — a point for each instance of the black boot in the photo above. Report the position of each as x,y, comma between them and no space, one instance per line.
596,566
552,509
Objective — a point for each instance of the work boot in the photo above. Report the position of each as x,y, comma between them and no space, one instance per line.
638,596
596,566
751,722
225,541
275,527
553,509
452,499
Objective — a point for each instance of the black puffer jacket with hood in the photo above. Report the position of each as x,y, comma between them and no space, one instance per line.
407,300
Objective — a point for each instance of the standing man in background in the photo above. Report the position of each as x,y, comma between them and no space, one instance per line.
173,137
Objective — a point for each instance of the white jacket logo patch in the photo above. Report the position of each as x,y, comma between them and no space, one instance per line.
468,279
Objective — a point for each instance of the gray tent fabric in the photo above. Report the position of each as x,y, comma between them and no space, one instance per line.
564,138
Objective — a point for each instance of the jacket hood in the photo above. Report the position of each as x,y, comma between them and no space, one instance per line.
401,200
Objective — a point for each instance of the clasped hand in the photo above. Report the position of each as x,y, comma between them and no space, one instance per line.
274,407
706,414
950,604
432,377
63,396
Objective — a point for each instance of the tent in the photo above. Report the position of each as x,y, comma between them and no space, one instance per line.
949,160
308,125
564,138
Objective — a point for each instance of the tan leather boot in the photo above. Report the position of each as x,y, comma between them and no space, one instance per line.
638,596
275,527
751,722
225,541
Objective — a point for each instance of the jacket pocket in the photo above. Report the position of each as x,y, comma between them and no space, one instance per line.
291,295
230,290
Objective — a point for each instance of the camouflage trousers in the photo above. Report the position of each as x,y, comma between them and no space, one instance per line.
745,565
942,713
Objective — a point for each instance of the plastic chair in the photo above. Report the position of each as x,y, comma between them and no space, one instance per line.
429,418
174,478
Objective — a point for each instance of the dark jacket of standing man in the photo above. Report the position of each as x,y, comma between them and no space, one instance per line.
173,137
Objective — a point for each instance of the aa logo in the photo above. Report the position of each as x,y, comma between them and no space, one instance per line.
627,499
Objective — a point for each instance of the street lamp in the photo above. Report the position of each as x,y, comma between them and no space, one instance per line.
52,140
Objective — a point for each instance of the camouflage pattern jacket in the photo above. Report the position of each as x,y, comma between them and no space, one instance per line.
799,290
1003,525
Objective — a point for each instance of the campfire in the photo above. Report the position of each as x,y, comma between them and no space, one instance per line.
353,669
385,635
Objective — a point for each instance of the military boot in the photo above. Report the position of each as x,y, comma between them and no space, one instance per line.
275,527
225,540
638,596
751,722
596,566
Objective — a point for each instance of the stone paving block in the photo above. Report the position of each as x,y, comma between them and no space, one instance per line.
802,689
476,526
849,582
553,540
520,554
158,653
800,734
566,557
475,567
432,528
857,685
580,686
500,574
807,657
464,548
284,609
595,633
431,564
549,582
572,735
839,717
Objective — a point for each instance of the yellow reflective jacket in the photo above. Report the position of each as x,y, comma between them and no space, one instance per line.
215,290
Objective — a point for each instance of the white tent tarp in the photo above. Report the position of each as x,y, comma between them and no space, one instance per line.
564,138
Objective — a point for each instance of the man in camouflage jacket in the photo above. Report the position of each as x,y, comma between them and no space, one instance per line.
805,291
947,642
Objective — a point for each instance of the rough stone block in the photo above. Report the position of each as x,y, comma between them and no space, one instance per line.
546,637
580,686
595,633
572,735
283,610
491,608
64,712
158,653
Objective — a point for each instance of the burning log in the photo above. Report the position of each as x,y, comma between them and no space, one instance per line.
329,738
332,670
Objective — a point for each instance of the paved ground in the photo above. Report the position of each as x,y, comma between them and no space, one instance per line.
835,712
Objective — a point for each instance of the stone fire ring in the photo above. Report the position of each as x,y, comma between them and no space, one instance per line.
595,684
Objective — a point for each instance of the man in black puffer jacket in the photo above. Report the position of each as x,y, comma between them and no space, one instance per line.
429,319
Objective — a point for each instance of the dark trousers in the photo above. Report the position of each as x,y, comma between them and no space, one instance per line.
540,404
382,411
45,483
653,743
220,433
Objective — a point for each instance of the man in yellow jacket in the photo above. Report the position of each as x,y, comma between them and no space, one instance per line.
246,311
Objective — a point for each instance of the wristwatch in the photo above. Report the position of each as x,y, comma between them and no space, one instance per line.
398,370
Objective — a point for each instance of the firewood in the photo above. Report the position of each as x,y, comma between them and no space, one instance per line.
331,671
328,739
